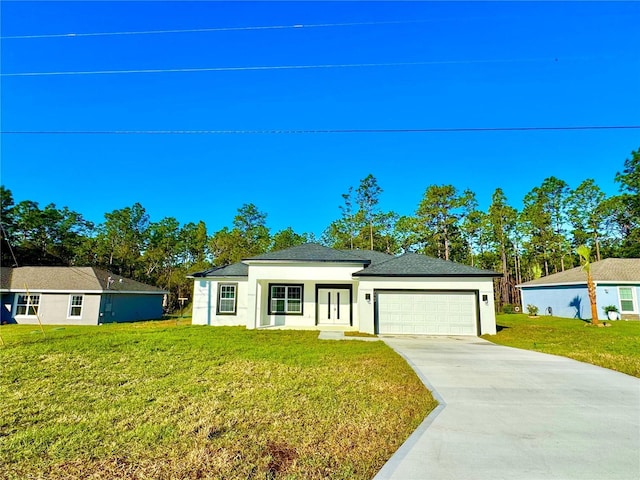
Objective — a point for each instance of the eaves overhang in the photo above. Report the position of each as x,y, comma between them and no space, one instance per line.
209,277
305,261
86,292
363,273
600,283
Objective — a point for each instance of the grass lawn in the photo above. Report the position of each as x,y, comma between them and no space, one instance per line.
158,400
616,347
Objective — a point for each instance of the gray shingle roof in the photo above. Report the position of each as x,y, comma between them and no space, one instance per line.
372,255
5,278
608,270
312,252
70,279
234,270
416,265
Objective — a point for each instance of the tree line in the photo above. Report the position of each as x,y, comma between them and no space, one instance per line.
539,239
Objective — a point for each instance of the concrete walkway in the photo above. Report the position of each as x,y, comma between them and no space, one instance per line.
339,335
514,414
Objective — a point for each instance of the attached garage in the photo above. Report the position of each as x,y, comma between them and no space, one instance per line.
426,312
418,295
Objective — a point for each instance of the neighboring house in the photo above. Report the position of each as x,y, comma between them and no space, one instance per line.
75,296
315,287
565,294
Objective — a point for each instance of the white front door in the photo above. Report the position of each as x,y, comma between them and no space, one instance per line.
334,306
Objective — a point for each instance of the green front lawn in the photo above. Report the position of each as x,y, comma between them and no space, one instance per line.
155,400
616,347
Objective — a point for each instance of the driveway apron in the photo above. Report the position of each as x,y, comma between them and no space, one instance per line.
512,414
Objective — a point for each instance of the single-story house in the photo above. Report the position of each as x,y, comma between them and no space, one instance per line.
75,296
564,294
314,287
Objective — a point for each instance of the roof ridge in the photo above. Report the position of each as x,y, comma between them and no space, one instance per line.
393,257
310,250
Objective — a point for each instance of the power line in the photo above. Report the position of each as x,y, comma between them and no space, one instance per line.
6,239
318,131
280,67
215,29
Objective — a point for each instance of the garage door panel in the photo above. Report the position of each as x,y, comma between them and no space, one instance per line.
430,313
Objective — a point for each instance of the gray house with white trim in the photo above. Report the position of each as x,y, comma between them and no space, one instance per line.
75,296
564,294
314,287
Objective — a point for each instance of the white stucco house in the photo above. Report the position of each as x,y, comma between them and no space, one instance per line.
315,287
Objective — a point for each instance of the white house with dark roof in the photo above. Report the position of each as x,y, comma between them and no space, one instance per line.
75,296
564,294
315,287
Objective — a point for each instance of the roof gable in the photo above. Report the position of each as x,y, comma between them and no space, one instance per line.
607,270
417,265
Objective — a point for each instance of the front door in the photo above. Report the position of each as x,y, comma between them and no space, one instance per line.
334,306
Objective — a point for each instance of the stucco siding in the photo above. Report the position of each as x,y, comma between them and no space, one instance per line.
7,306
483,286
201,308
54,310
261,276
130,308
572,301
308,318
205,303
321,272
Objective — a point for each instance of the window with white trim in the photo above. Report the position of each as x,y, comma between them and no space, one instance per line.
227,298
627,300
285,299
75,306
28,305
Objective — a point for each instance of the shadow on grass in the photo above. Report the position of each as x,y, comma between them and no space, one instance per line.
499,328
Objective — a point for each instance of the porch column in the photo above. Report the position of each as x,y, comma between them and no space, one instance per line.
253,302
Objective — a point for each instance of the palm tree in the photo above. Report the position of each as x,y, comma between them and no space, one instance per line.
585,255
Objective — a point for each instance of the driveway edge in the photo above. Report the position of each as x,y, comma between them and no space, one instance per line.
389,468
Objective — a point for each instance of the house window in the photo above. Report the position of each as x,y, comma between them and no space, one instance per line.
75,306
28,305
627,302
227,298
285,299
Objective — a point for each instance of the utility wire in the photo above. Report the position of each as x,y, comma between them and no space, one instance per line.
6,238
217,29
280,67
257,27
318,131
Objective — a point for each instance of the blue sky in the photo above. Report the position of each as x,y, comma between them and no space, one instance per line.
483,65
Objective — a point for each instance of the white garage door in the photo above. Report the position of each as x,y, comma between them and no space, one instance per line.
427,313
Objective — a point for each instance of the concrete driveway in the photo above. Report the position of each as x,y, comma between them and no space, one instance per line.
514,414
